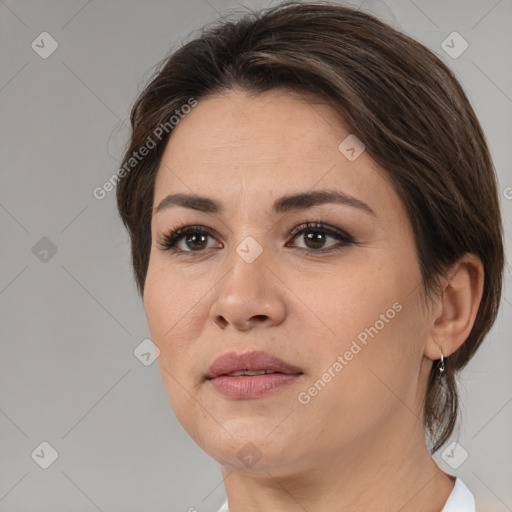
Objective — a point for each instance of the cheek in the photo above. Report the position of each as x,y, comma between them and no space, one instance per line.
351,299
373,380
173,307
169,300
376,324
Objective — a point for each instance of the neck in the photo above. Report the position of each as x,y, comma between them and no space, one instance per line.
392,471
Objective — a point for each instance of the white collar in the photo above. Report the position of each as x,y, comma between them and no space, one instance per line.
460,499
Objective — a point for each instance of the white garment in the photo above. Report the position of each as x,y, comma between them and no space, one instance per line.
460,500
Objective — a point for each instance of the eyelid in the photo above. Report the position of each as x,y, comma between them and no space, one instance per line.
321,226
174,235
169,241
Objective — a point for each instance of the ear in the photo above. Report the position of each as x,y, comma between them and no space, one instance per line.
454,313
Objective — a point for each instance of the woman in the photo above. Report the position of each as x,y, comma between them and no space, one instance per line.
317,239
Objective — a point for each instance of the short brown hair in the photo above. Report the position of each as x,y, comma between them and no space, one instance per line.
394,94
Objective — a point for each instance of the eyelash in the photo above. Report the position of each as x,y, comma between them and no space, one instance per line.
169,241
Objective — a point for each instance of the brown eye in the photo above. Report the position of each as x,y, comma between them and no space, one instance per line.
316,235
315,239
195,241
187,240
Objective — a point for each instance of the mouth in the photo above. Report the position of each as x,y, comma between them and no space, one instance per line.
250,374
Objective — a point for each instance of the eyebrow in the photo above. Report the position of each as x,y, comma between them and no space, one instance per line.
284,204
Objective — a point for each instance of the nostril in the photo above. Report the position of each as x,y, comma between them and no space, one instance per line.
260,317
222,322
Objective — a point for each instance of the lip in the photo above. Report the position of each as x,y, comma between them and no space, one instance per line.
250,386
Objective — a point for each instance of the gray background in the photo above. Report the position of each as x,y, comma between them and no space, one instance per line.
70,321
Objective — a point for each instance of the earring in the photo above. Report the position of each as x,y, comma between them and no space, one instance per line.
440,365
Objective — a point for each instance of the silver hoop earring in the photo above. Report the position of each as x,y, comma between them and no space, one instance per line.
440,365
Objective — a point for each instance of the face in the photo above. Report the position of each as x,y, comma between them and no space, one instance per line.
328,284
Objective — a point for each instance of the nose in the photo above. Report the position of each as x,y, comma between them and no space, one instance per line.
249,296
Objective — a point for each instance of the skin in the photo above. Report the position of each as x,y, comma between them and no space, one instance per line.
359,443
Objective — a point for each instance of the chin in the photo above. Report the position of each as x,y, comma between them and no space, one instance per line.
253,449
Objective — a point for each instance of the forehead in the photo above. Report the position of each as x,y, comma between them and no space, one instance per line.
274,126
260,146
